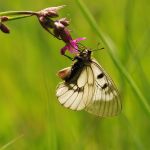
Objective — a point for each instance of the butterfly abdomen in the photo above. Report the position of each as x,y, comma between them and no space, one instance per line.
75,72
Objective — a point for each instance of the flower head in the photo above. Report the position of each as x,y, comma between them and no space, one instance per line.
71,44
61,31
58,28
45,17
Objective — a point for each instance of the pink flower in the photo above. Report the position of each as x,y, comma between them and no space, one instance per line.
61,32
72,46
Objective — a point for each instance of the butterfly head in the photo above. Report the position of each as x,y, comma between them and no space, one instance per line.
84,55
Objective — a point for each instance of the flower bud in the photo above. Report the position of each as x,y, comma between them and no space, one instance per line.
4,28
56,33
64,21
45,22
59,25
3,18
51,12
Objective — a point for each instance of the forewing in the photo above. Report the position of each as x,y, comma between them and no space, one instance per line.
105,101
77,93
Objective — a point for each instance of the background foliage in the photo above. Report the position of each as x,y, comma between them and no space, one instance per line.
30,59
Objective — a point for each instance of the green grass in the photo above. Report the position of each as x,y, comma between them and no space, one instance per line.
111,49
30,59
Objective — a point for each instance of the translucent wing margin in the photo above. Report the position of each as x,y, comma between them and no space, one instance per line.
77,94
105,101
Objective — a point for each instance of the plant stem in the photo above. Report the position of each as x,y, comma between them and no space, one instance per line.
13,15
9,13
18,17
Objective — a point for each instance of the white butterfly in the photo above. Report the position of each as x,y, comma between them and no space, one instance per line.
87,86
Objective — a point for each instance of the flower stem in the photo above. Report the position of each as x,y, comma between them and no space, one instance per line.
13,15
9,13
18,17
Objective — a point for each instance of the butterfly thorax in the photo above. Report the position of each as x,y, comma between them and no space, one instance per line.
81,60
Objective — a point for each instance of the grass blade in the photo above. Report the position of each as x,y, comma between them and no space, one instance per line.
111,50
11,142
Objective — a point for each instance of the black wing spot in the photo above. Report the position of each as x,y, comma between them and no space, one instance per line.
105,86
80,89
100,76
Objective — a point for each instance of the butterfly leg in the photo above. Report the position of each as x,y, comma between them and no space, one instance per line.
68,57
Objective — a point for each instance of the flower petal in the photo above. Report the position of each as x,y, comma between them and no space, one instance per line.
72,45
63,50
72,48
79,39
65,35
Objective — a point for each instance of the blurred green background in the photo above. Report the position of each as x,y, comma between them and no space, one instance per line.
30,59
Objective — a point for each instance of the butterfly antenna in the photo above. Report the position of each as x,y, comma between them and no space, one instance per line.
81,47
97,49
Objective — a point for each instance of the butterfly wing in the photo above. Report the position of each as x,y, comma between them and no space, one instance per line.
105,101
89,87
77,92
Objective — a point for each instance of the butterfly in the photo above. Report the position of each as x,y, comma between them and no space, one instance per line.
87,86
